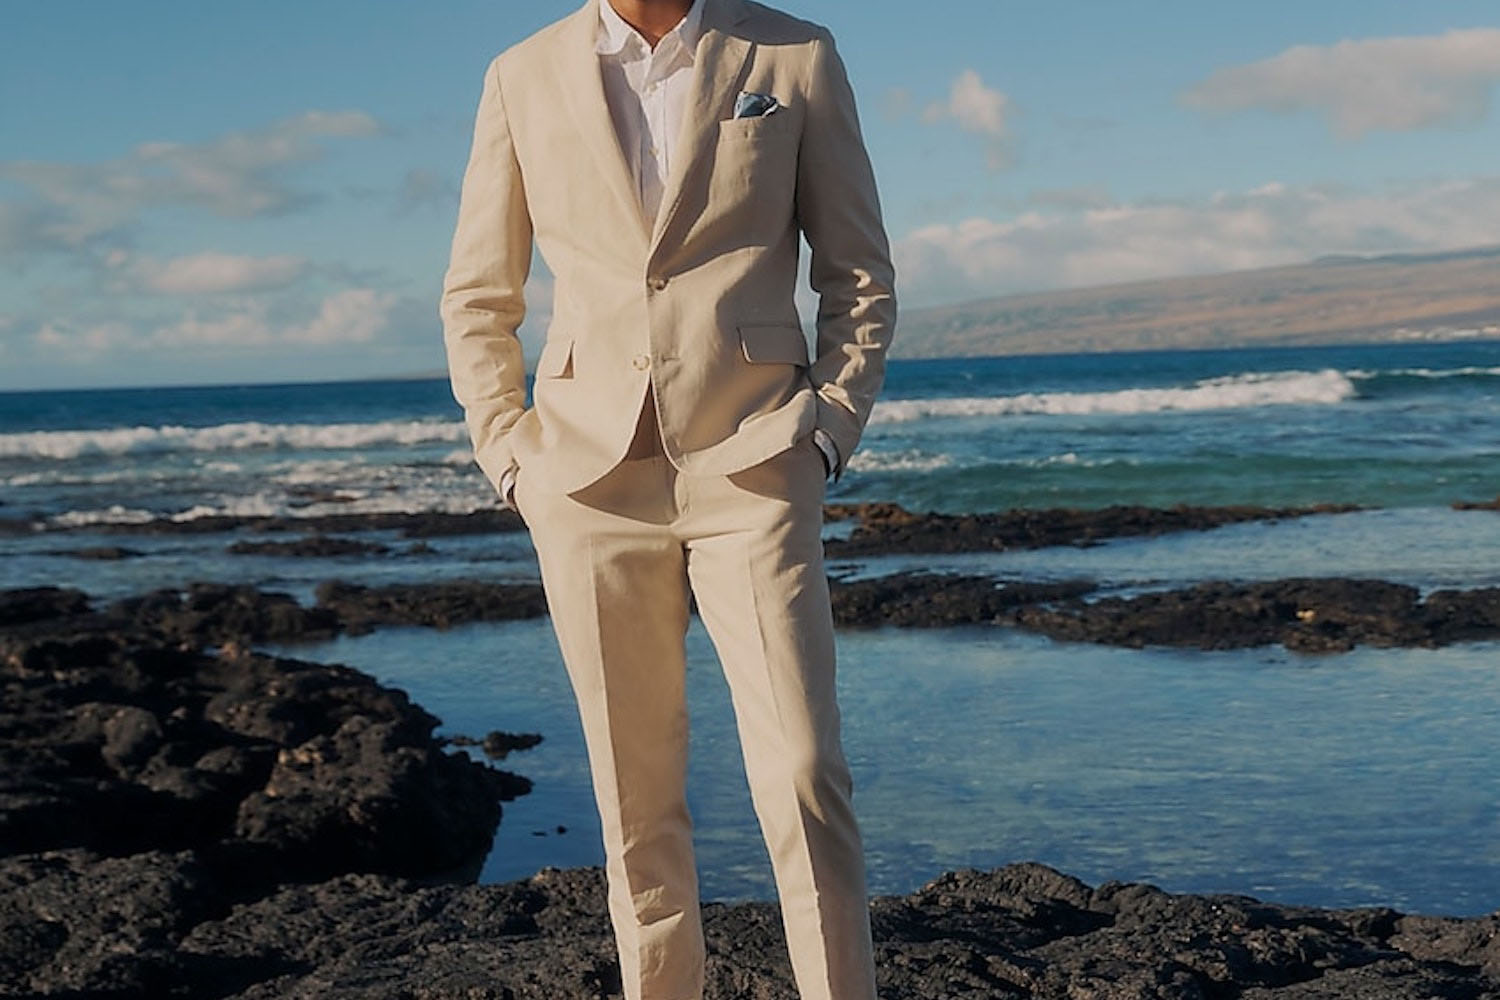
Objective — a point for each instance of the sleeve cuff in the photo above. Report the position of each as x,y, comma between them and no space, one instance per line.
508,486
831,457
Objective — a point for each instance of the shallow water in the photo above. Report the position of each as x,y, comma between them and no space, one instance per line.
1427,547
1357,779
1367,777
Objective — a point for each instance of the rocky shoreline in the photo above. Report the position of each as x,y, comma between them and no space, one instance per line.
890,529
183,816
149,783
879,528
1313,615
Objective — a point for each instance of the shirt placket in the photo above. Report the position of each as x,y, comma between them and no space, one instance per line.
654,104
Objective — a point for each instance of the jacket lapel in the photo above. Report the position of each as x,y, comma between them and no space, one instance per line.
582,85
717,69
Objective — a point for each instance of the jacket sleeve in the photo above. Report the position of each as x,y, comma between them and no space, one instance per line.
483,300
838,210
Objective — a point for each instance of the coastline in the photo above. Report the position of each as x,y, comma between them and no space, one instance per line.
257,826
248,779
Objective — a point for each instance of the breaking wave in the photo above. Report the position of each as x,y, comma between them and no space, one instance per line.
1320,388
62,445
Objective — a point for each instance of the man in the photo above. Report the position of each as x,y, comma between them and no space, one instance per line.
665,156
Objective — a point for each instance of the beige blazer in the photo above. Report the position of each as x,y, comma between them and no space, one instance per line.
698,306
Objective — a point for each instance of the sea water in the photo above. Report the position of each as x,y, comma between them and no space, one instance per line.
1366,777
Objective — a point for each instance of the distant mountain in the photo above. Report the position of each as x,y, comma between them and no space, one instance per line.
1341,299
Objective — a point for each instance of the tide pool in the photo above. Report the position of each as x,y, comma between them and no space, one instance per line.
1365,778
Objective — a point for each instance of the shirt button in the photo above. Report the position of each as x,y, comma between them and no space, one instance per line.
659,284
640,362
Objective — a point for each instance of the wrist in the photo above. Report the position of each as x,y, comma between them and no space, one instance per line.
833,462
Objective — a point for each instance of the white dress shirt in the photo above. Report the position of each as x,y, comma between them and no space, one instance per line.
646,89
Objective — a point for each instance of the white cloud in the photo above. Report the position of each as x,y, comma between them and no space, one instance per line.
1269,225
207,273
238,175
83,342
350,316
353,316
974,106
1395,84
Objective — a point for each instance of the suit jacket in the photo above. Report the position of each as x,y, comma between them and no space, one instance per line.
700,305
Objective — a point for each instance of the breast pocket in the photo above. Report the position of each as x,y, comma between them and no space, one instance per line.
755,169
761,127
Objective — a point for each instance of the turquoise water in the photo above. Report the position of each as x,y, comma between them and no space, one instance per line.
1392,426
1366,778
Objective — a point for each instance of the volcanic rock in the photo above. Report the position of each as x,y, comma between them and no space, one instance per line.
888,529
312,546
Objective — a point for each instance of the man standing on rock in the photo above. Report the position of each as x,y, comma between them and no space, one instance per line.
666,157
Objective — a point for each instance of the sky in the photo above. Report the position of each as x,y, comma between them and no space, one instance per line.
233,192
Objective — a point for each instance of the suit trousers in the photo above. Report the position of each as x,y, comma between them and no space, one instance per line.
620,561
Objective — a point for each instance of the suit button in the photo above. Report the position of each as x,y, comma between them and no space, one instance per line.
658,284
640,362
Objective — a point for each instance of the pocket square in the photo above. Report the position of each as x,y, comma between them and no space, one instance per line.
751,105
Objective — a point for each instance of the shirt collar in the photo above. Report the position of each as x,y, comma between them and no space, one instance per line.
615,32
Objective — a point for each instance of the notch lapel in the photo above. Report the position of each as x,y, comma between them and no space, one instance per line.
717,68
582,85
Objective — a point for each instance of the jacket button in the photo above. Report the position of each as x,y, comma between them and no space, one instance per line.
658,284
640,362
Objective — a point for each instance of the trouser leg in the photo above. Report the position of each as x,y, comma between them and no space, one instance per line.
755,561
617,591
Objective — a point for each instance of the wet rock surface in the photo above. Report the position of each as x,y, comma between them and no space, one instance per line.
436,605
889,529
1024,931
117,741
881,528
239,614
176,823
934,600
310,547
498,745
1331,614
1308,615
146,784
420,524
102,553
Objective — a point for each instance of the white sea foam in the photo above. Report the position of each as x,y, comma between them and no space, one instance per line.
1255,389
414,500
1071,459
113,514
1469,371
225,437
898,461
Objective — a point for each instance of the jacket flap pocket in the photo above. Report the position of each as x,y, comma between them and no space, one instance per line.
774,344
556,359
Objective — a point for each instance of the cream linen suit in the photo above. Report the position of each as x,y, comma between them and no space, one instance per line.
682,334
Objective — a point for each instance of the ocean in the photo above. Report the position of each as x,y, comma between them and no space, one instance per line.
1361,778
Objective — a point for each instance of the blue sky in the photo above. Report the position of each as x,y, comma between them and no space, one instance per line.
238,192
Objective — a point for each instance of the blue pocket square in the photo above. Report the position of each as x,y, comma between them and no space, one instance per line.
749,105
